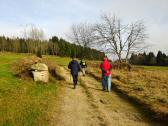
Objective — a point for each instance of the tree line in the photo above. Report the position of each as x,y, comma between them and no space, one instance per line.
161,59
53,46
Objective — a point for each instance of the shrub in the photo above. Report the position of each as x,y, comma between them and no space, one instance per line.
21,68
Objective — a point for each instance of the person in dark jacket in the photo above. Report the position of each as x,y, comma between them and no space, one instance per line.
75,68
83,66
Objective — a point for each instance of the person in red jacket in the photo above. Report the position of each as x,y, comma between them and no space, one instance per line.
106,68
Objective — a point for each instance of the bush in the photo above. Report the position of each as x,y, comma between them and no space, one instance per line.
21,68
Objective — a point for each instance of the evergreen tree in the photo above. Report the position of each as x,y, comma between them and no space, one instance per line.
151,60
159,58
144,62
54,46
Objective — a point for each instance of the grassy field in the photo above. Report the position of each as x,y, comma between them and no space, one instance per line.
28,103
23,102
62,61
147,85
153,67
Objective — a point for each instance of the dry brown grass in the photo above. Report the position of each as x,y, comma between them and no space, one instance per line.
22,68
147,87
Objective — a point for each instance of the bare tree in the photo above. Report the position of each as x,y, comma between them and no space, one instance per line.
119,39
135,38
54,48
82,34
34,33
35,37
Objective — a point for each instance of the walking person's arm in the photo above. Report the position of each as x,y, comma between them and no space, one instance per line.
80,63
110,67
101,66
79,67
69,66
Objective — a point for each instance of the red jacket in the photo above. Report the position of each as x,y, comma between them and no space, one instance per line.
106,68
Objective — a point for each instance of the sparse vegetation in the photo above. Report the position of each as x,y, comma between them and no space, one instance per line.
148,87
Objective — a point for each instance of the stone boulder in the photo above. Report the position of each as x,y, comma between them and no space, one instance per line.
40,72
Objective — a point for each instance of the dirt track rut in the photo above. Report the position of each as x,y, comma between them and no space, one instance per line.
88,105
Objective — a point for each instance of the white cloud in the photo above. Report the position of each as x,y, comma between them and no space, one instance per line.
55,17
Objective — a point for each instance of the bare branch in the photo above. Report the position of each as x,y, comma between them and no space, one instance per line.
117,38
82,34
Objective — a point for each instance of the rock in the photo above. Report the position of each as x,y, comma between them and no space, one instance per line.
103,101
39,67
40,72
117,111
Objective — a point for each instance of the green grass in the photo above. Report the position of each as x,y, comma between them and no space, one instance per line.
63,61
153,67
23,102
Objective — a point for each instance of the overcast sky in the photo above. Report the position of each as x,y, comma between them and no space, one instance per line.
56,16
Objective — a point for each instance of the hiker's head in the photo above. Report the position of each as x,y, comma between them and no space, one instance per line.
105,58
73,57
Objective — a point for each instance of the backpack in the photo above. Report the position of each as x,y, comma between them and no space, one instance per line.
83,63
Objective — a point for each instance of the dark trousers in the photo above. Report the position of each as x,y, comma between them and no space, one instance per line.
75,79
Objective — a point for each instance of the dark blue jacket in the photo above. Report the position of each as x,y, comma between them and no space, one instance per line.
74,66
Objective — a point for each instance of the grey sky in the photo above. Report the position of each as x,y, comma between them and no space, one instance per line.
56,16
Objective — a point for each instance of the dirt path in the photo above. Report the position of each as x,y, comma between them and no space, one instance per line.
73,107
89,106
